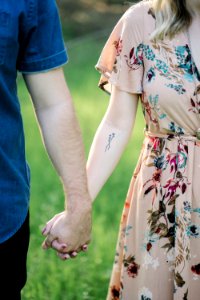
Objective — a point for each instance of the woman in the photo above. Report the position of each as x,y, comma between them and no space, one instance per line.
153,52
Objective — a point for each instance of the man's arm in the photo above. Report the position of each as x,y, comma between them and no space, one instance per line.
62,138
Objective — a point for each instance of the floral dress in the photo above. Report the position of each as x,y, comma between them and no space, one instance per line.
158,249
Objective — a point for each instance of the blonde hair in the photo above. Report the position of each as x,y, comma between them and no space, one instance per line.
172,17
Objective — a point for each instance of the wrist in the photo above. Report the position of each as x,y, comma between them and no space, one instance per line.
78,202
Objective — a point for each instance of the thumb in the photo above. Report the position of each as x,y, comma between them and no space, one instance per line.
46,230
48,241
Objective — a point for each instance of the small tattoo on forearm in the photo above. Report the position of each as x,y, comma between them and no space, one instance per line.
110,139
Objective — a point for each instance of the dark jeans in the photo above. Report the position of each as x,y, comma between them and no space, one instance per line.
13,255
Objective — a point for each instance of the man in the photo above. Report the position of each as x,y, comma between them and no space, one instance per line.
31,42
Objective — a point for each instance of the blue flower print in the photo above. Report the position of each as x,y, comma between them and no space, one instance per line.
159,162
185,62
177,87
148,52
162,66
183,55
175,129
193,231
151,74
145,294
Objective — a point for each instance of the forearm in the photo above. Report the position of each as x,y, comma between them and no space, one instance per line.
62,138
111,138
61,134
107,148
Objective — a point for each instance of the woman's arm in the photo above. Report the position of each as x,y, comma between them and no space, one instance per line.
111,138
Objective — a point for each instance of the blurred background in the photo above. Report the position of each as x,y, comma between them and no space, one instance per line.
86,27
84,17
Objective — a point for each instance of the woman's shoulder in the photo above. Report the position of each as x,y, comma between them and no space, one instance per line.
139,11
140,18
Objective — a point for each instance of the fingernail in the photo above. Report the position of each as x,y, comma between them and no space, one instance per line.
74,254
66,257
85,247
64,246
44,247
43,231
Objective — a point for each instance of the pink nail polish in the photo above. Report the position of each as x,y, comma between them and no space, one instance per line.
64,247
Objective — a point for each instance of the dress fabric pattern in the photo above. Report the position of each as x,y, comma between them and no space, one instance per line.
158,249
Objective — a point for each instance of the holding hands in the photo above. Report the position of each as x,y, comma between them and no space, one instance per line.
69,232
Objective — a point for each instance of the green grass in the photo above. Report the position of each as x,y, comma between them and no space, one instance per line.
86,277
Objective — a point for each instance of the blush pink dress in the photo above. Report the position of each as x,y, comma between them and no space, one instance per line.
158,249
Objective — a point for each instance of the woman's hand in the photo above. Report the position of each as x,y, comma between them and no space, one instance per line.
69,233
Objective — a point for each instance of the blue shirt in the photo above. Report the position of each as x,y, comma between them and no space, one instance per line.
30,41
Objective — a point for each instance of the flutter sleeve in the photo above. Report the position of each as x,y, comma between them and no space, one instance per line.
121,61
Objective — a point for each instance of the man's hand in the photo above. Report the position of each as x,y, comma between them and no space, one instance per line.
69,233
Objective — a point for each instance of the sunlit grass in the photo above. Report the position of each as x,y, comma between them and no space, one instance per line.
86,277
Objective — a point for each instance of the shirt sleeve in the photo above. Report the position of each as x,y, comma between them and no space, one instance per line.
41,46
121,61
